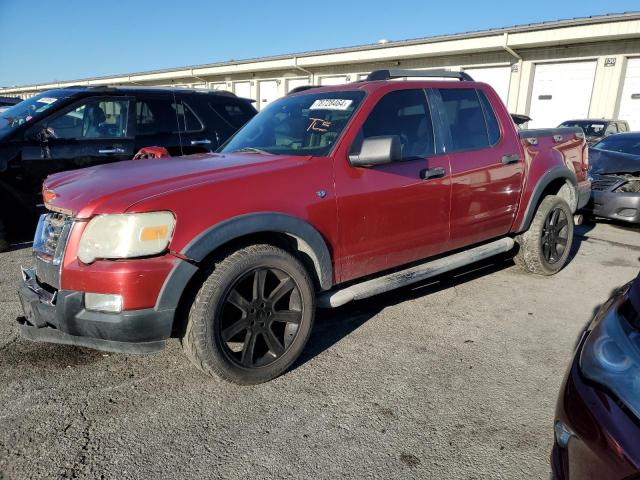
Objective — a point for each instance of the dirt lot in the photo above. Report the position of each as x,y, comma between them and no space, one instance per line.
452,379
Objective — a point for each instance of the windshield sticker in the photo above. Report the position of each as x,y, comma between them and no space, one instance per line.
319,125
47,100
331,104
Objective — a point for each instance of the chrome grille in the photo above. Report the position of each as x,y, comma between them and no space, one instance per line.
604,183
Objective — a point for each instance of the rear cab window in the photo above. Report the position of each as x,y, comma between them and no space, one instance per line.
470,119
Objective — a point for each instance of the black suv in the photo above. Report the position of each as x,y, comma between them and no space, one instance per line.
82,126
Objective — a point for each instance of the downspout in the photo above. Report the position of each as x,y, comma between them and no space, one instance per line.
515,54
298,67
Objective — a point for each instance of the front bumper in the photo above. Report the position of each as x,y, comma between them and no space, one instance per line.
60,317
605,441
616,206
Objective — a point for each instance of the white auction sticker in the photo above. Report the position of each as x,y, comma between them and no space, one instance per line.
47,100
331,104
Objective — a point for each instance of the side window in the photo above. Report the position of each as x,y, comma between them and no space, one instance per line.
611,129
465,118
187,120
622,127
155,115
403,113
234,115
93,119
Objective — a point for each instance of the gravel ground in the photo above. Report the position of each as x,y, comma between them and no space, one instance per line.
451,379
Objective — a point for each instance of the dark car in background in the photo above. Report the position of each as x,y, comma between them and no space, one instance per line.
597,425
8,102
78,127
596,130
615,176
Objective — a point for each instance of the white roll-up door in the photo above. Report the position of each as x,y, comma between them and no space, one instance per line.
242,89
296,82
335,80
630,99
561,91
497,77
268,92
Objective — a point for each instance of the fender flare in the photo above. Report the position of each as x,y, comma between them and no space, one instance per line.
309,241
551,175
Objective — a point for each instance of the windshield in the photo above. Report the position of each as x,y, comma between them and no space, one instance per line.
591,129
300,125
620,143
30,109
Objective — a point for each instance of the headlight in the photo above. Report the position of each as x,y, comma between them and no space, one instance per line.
126,235
611,358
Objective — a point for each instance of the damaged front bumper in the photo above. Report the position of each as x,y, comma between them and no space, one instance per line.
59,316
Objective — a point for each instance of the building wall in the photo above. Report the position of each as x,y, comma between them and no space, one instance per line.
610,44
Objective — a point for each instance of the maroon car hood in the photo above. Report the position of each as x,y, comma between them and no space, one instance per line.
112,188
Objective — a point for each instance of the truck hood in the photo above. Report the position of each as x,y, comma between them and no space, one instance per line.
115,187
606,162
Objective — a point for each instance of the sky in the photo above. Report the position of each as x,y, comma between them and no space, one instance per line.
55,40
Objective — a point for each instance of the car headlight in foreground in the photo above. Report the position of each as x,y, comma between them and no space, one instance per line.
128,235
611,356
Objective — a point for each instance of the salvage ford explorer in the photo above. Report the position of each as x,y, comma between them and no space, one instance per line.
328,195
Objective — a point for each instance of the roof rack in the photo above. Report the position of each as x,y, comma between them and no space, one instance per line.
399,73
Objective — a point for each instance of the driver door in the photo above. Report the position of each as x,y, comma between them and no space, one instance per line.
89,132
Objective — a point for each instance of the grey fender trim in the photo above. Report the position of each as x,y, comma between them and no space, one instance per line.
313,243
545,180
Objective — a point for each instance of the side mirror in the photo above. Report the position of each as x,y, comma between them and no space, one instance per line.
377,151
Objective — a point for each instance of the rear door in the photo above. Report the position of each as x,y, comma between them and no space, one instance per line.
89,132
486,168
157,123
388,215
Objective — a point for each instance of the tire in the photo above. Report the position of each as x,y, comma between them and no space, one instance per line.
541,247
252,316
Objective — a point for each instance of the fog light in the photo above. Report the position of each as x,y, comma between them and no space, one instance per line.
102,302
563,434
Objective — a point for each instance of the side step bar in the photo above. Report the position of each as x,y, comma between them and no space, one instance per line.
336,298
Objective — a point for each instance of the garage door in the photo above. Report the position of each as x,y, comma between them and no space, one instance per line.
336,80
630,100
561,91
268,92
497,77
218,86
296,82
242,89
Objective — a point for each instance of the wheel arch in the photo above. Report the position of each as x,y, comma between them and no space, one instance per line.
557,181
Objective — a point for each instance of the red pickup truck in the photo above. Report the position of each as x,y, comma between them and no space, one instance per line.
328,195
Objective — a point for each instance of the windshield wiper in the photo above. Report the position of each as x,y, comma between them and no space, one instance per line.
251,150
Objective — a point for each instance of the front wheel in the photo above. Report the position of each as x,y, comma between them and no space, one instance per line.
545,246
252,317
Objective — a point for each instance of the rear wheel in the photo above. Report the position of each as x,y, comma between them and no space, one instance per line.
545,246
252,317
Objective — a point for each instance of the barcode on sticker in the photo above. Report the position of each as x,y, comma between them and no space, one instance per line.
331,104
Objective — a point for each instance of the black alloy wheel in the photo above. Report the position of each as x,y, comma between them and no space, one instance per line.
555,235
260,317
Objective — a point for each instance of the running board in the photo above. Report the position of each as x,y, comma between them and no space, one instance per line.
336,298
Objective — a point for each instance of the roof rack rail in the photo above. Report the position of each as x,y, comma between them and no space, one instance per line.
399,73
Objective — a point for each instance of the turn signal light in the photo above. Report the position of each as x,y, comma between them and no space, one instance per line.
160,232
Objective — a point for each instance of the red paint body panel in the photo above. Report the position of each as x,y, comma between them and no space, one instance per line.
371,219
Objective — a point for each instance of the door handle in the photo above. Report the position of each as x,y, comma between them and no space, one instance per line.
204,141
507,159
111,150
429,173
